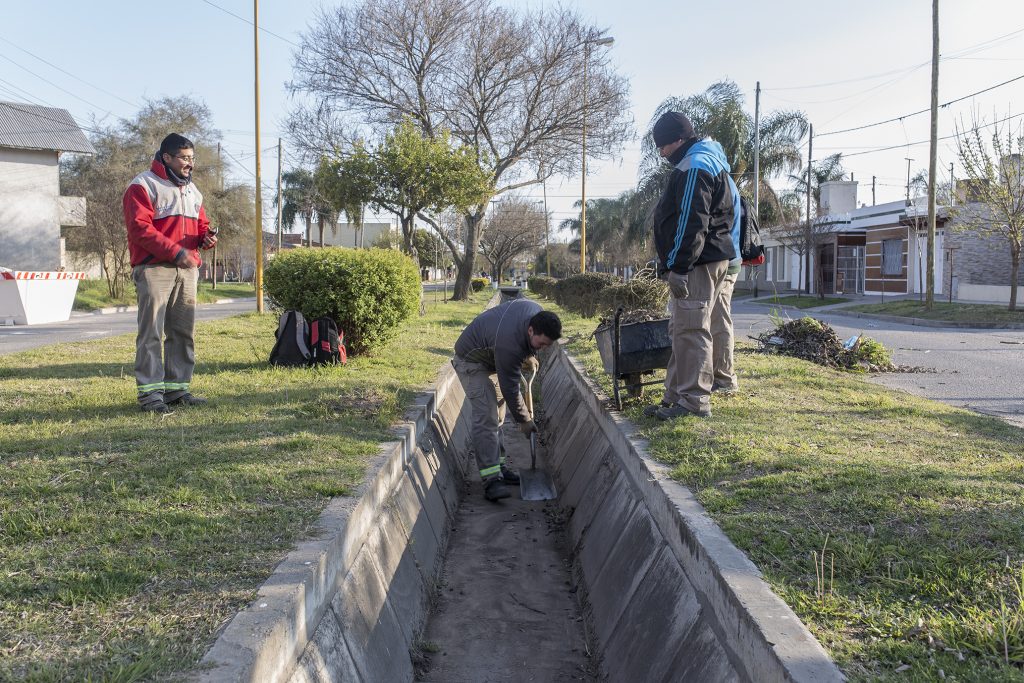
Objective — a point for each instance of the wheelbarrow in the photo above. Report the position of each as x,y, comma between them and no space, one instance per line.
632,350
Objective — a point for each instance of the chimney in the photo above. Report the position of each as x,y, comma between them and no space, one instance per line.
838,196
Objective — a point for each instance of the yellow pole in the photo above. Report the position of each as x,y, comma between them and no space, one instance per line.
583,188
259,180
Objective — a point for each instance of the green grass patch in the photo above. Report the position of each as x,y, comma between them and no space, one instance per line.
916,507
945,311
802,301
93,295
127,539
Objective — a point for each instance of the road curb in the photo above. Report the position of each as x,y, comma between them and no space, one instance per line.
128,309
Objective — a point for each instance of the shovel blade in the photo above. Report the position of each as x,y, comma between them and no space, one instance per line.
536,485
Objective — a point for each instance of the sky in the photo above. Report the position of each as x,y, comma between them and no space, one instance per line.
845,65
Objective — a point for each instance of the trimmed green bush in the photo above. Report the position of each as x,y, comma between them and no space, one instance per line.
478,283
640,293
542,285
581,293
367,292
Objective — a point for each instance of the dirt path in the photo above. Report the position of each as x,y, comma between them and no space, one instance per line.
507,608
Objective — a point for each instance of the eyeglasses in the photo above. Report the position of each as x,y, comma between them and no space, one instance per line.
187,160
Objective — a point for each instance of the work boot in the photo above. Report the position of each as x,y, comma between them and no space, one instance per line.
495,490
509,475
717,388
677,410
156,407
651,410
188,400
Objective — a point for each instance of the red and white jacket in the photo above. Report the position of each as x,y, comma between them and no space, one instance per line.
163,218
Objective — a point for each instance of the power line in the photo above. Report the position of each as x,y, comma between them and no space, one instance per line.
922,111
77,78
922,142
241,18
55,85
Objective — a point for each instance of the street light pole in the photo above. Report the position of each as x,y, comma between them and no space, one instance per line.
605,40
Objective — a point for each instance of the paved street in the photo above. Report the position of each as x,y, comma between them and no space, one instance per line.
982,370
85,326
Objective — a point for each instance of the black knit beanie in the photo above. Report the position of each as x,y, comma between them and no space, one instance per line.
670,127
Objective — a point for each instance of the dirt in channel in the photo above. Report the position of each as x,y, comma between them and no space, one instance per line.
507,607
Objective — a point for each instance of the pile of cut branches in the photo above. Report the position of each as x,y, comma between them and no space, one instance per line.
815,341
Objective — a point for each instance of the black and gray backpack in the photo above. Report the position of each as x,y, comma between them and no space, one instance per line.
292,346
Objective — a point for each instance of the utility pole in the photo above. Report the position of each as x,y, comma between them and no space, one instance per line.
547,228
808,233
280,227
908,179
220,183
873,181
757,148
258,277
933,159
952,186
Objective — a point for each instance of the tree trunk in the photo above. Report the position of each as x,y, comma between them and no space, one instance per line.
1014,275
320,227
464,276
309,231
213,275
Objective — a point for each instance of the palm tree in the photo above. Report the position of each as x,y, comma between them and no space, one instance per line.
613,224
718,112
300,200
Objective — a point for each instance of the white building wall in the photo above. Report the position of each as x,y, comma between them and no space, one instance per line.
348,234
29,218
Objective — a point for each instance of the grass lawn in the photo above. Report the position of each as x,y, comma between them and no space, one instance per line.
127,539
807,301
93,294
916,507
953,312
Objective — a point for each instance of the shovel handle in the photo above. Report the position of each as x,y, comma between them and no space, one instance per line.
533,450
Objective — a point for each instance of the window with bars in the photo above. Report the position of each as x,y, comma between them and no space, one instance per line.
892,257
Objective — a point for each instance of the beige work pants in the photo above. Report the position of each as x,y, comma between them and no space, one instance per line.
487,412
164,348
722,335
690,371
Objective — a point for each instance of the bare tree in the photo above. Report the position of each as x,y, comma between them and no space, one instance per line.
506,82
514,227
995,180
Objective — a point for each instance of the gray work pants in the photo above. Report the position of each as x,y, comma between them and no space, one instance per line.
722,335
487,412
164,348
690,371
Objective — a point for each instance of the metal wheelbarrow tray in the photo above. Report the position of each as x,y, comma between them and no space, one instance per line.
630,350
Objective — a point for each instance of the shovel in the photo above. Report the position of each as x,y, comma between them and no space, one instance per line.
535,484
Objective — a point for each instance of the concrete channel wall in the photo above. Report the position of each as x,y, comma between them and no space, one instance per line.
672,599
348,604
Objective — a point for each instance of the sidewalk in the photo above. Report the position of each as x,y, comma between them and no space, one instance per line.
859,300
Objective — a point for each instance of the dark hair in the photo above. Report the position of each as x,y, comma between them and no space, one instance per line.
548,324
175,142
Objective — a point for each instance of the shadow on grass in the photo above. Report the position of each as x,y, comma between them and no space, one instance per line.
125,369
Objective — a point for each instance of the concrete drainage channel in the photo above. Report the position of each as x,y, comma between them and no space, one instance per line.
670,598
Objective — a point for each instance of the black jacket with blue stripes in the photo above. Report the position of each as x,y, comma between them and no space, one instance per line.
694,218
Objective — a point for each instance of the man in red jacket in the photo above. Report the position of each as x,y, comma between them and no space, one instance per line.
167,226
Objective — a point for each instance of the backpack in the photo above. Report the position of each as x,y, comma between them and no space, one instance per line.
291,347
326,343
751,247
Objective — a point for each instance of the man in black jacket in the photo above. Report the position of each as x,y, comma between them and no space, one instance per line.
693,222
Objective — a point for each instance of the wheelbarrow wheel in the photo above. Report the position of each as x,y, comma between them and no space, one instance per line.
634,387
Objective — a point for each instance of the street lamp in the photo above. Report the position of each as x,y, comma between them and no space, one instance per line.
603,40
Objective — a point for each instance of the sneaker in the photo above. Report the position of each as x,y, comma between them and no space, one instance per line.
156,407
652,410
677,410
188,400
509,475
495,489
723,389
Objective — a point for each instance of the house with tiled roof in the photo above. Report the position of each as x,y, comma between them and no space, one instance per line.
32,210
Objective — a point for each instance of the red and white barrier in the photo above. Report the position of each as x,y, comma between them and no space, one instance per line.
37,297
